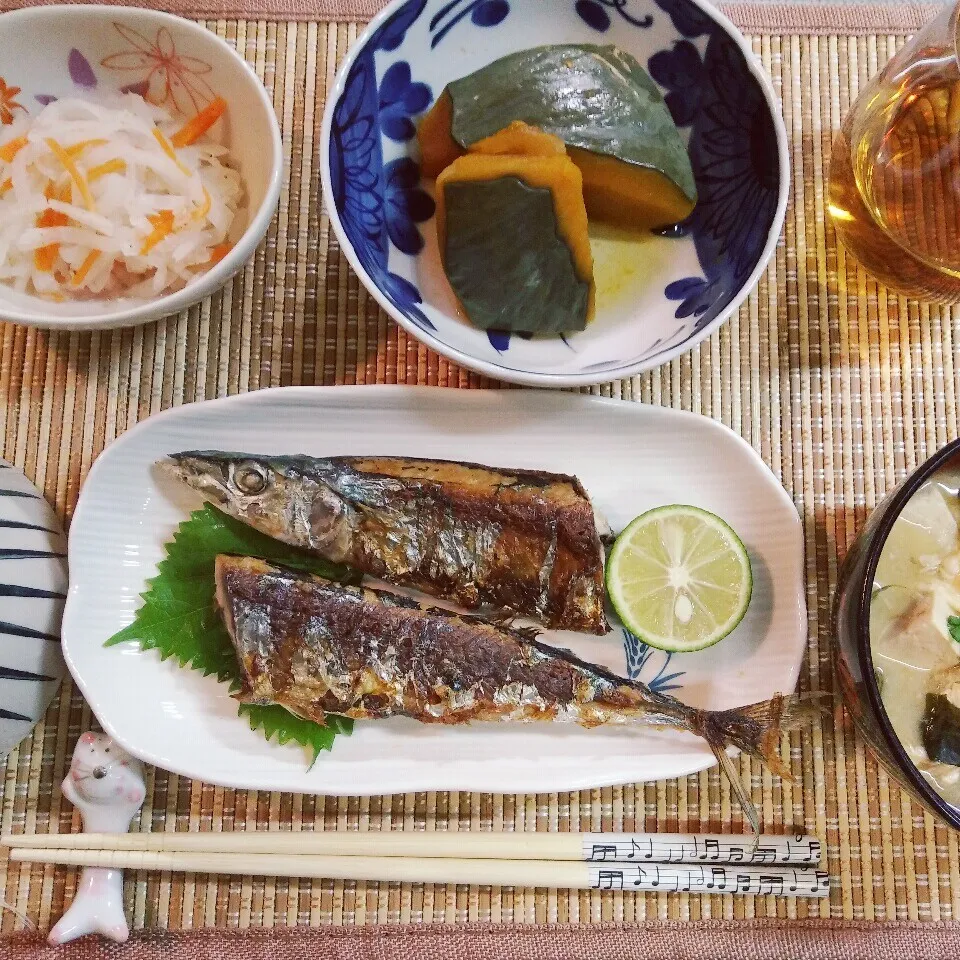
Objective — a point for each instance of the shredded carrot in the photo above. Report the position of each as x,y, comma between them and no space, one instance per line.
194,129
64,194
168,150
44,258
6,186
71,168
52,218
162,224
101,170
219,252
10,149
76,149
85,267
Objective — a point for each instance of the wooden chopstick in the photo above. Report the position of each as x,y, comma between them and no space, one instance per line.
585,847
682,878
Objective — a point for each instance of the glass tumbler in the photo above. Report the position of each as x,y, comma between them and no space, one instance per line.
894,194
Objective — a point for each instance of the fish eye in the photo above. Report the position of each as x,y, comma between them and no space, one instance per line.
250,478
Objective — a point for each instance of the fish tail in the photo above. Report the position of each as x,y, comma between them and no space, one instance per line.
756,731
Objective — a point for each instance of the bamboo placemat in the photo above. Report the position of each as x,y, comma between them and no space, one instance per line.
841,387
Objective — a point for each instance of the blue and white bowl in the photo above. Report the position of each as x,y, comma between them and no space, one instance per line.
33,588
656,298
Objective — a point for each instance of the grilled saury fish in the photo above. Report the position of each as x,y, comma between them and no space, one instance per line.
473,535
317,647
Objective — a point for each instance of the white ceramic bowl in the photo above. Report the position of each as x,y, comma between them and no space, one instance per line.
655,299
61,51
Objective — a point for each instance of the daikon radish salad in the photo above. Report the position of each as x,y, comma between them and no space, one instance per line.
112,200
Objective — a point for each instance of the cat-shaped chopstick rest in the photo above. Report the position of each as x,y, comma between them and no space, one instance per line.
106,785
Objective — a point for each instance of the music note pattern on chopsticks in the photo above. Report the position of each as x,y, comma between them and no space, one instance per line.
688,848
694,878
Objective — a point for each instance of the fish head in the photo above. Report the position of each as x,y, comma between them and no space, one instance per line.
276,495
249,488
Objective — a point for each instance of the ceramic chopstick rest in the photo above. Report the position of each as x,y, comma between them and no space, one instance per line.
106,785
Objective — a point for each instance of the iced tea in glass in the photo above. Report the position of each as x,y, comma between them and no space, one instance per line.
894,193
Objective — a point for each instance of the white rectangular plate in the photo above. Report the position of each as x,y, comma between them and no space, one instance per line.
630,457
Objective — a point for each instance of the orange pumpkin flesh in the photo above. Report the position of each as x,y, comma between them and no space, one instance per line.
438,149
627,195
520,139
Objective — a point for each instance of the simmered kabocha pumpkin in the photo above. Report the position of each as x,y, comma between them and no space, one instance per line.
520,139
600,102
513,237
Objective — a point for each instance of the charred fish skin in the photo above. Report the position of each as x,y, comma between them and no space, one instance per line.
317,647
522,540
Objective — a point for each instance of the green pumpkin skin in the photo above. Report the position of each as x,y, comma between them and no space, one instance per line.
526,285
599,101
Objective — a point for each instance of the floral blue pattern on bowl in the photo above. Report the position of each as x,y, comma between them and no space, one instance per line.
681,284
381,204
650,665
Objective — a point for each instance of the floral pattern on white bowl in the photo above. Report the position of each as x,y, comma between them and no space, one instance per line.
52,52
655,299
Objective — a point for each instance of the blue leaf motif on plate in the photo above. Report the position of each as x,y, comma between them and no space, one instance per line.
734,154
499,340
594,14
483,13
737,162
680,71
404,295
649,665
694,294
490,12
393,32
400,100
687,18
379,206
406,204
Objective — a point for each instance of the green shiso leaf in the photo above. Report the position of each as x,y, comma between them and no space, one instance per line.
179,616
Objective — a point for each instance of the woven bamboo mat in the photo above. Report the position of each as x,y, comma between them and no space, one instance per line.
840,386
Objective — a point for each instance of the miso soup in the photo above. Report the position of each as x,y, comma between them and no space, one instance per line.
915,630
